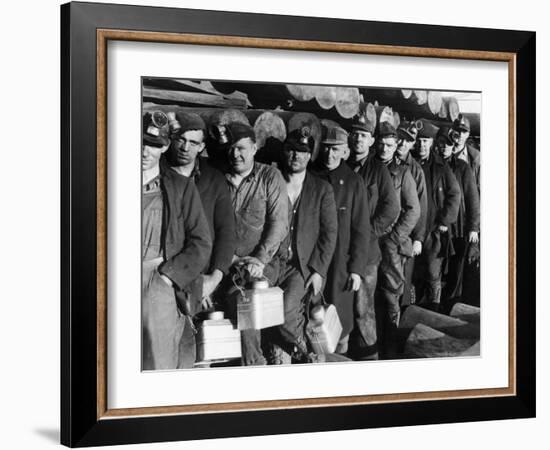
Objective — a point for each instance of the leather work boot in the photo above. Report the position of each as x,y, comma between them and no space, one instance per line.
277,356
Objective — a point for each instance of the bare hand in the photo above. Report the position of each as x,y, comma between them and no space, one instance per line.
417,248
473,237
206,303
316,282
210,282
353,283
443,228
254,267
167,280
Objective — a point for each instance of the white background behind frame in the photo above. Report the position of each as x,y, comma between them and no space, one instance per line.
30,388
127,387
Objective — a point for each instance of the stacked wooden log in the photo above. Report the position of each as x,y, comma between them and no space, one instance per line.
413,104
180,92
281,108
427,342
429,334
338,102
343,100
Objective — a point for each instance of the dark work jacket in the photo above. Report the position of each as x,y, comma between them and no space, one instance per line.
419,231
351,254
405,188
186,238
218,210
468,212
474,161
383,202
316,227
443,204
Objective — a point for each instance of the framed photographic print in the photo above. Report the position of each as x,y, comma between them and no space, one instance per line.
278,224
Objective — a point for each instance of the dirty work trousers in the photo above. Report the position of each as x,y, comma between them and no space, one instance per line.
391,281
168,337
284,340
363,338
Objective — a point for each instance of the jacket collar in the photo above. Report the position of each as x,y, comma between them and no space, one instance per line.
433,159
196,172
408,160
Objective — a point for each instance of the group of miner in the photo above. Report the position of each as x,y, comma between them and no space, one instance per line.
382,217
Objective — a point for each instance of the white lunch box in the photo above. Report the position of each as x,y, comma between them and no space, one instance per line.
260,307
324,329
217,339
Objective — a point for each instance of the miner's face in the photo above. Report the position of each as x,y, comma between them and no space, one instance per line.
186,147
295,161
386,148
424,147
332,155
360,142
445,149
150,155
241,155
404,146
461,137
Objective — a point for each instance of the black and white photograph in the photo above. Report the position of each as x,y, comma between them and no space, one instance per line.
308,224
311,239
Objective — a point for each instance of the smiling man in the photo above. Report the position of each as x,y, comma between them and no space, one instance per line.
176,244
260,204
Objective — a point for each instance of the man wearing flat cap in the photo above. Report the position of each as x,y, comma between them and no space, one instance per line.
465,230
260,205
396,246
407,132
348,267
384,210
443,204
176,245
188,132
464,151
307,250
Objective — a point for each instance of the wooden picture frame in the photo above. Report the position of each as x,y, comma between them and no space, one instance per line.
85,30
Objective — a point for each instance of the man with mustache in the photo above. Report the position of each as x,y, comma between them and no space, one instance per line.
260,204
443,204
348,267
176,244
396,246
384,210
307,250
